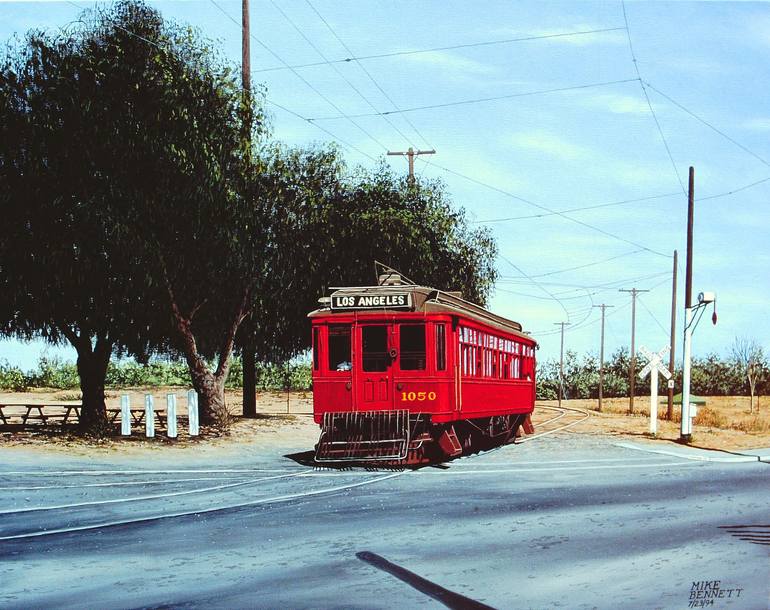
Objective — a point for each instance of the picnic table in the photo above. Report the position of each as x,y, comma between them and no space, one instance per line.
137,415
39,412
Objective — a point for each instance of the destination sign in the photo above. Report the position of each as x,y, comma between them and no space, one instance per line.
396,300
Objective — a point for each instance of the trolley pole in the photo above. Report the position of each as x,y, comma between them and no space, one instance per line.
561,360
601,357
670,405
686,424
410,154
632,365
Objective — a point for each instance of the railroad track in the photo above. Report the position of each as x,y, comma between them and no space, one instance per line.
554,424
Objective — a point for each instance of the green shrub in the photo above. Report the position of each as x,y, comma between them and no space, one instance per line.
12,378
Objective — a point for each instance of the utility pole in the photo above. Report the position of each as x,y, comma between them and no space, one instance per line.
670,406
601,357
632,370
410,155
561,360
249,357
686,425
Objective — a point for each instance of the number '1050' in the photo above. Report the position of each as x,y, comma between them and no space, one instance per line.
418,396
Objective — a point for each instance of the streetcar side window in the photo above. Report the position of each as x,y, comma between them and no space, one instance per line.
412,347
339,347
440,347
316,355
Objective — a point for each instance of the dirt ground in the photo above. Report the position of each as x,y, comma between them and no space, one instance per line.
724,423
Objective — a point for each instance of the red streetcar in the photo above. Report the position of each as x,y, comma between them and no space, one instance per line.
406,374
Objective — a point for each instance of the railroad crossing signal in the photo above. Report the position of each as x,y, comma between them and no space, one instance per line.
654,366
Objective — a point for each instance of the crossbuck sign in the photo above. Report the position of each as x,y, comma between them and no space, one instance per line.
654,366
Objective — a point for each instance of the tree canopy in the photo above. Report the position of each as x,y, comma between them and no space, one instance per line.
146,211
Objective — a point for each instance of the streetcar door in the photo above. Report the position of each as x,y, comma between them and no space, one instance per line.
374,368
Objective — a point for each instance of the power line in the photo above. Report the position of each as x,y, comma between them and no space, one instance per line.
652,315
303,79
709,125
542,207
647,97
536,283
371,78
336,69
477,100
622,202
482,43
606,260
580,209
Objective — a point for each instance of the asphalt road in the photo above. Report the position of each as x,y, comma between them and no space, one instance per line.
563,521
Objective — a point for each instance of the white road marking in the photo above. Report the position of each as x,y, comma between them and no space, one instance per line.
273,500
58,473
561,469
153,497
695,457
121,484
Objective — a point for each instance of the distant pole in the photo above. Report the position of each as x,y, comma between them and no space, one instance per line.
632,364
670,407
686,424
561,361
601,357
410,154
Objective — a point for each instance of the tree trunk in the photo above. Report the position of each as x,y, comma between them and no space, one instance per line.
92,370
211,390
249,382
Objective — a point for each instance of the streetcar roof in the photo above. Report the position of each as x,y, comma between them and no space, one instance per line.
421,299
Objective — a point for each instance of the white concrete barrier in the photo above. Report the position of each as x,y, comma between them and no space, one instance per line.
125,415
171,415
149,415
192,412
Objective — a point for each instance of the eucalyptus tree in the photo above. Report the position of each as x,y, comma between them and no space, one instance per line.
127,224
333,226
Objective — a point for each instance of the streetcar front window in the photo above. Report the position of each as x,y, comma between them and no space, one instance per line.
374,341
339,347
412,347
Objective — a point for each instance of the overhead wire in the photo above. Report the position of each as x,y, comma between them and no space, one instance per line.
482,43
709,125
647,98
536,283
606,260
479,100
653,316
542,207
302,78
360,64
334,67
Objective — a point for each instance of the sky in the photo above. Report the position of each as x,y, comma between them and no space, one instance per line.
578,118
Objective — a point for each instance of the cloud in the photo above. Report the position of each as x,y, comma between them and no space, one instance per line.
551,145
618,103
760,124
445,60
